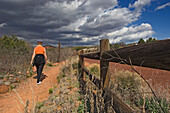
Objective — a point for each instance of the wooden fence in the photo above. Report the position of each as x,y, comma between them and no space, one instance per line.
154,55
109,97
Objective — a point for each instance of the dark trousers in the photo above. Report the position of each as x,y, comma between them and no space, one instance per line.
39,71
39,62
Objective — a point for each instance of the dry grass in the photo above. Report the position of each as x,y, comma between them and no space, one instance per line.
53,54
94,69
132,89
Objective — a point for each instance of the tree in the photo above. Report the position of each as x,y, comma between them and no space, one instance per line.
150,40
141,41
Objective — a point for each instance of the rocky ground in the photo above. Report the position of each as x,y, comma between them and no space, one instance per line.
64,98
9,81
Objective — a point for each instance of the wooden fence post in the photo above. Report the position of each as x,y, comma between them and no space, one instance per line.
59,52
104,64
82,63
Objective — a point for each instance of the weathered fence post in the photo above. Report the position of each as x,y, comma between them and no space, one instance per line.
104,64
82,63
59,52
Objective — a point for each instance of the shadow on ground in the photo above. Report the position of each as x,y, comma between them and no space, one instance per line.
43,76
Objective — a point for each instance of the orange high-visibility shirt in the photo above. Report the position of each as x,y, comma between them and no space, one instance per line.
39,50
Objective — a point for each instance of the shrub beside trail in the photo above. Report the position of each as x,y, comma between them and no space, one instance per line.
15,55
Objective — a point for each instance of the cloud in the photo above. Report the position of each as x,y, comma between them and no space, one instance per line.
162,6
141,3
132,33
2,25
73,22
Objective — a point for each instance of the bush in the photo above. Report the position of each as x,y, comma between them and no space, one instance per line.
141,41
128,83
15,54
53,54
50,90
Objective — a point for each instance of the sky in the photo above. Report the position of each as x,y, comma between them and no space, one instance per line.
85,22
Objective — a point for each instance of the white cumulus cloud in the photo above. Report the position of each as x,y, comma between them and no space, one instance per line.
132,33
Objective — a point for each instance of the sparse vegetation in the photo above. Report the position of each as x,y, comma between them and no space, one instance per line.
130,87
53,54
15,54
95,69
65,96
40,104
49,64
77,48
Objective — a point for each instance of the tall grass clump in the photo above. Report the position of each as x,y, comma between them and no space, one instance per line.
94,69
15,54
70,68
128,86
132,89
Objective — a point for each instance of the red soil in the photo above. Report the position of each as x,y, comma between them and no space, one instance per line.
29,90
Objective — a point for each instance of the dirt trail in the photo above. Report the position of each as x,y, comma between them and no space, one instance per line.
10,102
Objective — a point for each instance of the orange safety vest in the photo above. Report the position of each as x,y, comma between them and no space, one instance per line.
39,50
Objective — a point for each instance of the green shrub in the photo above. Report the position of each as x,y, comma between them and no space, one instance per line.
64,75
50,90
11,87
58,77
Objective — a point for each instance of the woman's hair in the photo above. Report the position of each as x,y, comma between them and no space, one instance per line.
39,42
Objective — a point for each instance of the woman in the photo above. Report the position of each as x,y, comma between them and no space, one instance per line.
39,58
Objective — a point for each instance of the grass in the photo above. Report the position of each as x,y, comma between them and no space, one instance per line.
152,106
80,108
40,104
95,69
58,80
49,64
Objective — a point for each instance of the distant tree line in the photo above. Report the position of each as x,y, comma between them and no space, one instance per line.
142,41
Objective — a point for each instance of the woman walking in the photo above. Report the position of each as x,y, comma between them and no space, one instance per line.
39,58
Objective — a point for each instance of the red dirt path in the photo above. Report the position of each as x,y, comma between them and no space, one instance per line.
29,90
157,78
